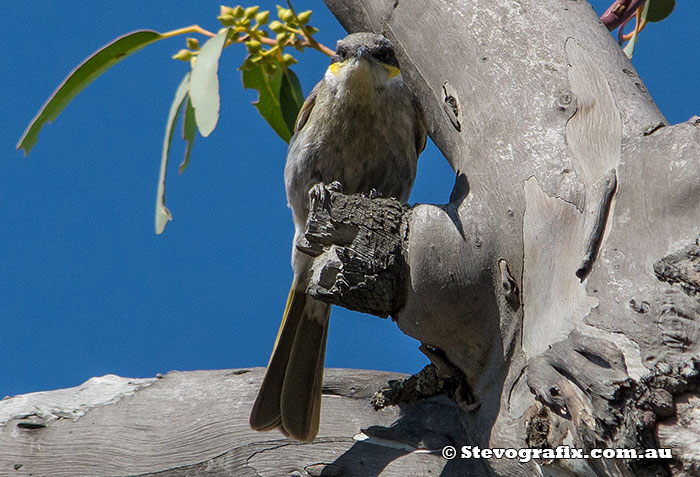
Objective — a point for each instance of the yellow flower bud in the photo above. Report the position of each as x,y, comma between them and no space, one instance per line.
287,16
263,17
253,46
227,20
277,27
183,55
251,11
304,17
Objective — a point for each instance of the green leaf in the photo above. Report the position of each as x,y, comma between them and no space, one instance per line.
279,98
291,98
204,86
84,74
629,48
162,212
659,9
189,131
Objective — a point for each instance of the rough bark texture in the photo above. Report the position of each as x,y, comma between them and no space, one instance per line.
361,243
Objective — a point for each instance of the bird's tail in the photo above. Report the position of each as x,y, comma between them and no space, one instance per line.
290,394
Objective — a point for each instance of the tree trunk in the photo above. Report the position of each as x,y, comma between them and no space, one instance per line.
562,277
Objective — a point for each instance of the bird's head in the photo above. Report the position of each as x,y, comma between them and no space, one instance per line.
363,64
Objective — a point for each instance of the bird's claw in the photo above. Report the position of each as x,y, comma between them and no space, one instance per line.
373,194
335,186
319,193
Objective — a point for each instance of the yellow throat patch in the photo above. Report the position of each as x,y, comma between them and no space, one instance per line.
392,70
335,68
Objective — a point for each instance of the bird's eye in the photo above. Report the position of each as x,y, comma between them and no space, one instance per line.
341,53
384,56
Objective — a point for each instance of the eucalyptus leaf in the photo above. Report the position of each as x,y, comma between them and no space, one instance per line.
659,9
189,132
163,215
204,85
276,103
629,48
84,74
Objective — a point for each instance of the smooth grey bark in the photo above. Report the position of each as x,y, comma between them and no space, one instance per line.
571,187
196,424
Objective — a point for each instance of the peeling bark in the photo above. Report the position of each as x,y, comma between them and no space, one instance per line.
682,268
561,279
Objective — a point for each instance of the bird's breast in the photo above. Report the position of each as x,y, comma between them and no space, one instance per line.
362,145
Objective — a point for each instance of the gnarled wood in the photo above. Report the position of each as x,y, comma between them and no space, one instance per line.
572,178
196,423
359,243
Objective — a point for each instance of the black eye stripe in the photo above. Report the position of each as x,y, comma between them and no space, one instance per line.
385,55
382,55
379,51
341,54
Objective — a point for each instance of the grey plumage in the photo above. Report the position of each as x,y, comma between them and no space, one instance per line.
361,127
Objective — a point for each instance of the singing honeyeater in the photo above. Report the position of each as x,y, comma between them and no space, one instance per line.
362,128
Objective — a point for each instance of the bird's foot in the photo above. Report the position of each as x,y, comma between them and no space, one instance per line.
372,194
335,186
319,193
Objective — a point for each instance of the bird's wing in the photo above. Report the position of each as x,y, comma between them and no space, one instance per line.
421,129
306,108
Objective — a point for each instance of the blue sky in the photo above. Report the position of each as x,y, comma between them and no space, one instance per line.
87,288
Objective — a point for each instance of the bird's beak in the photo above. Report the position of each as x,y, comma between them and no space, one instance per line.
363,53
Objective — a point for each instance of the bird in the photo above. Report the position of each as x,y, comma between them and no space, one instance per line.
360,129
